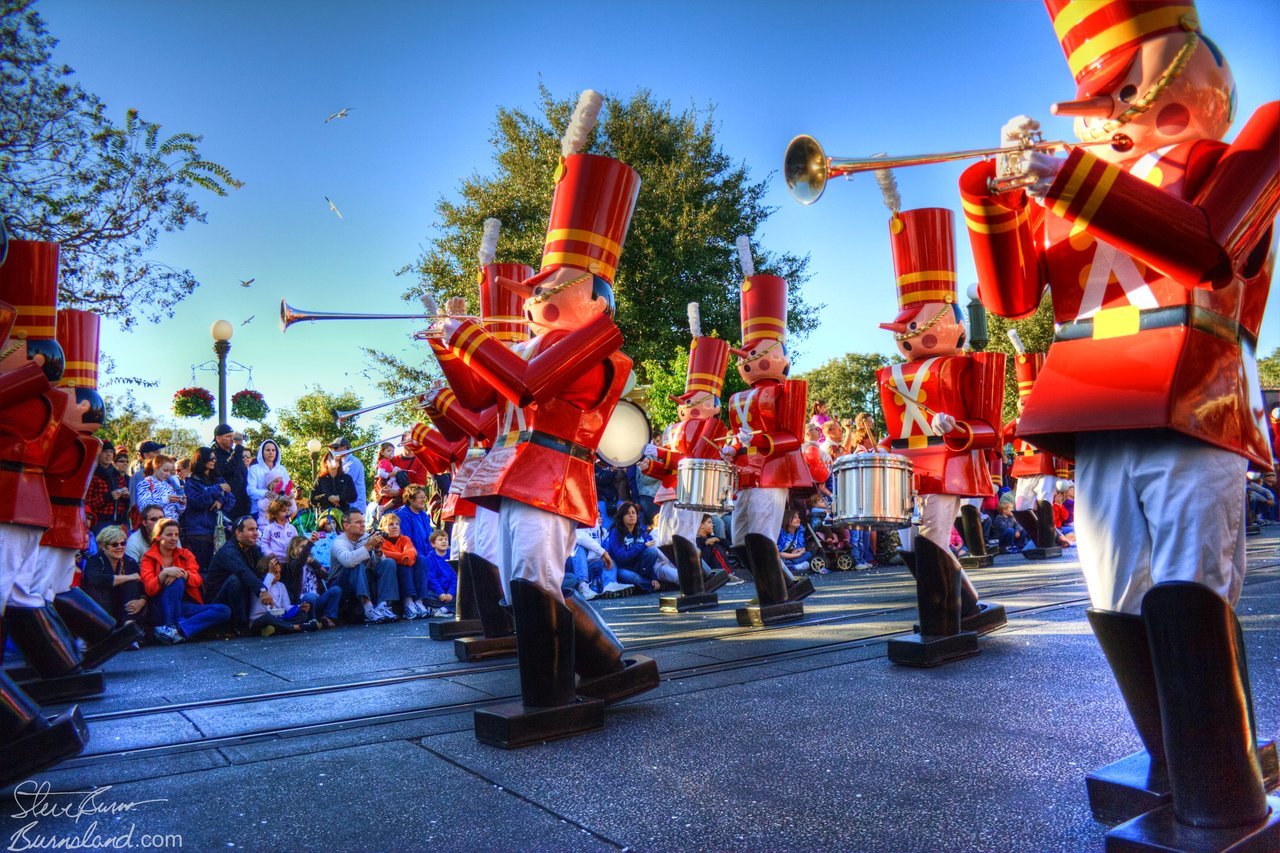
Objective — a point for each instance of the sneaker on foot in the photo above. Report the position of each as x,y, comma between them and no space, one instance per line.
310,625
169,634
586,591
734,580
267,631
444,611
862,566
388,615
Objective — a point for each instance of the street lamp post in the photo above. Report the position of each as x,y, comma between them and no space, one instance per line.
222,331
314,446
978,339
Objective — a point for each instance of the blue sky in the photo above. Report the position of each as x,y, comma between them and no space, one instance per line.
425,80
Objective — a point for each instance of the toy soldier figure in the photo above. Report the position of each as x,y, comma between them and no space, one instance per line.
942,410
30,412
694,436
767,422
1035,470
1154,243
557,392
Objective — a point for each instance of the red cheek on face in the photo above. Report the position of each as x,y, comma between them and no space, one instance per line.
1173,119
929,341
764,364
551,313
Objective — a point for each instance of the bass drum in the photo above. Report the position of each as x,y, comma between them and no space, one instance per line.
625,435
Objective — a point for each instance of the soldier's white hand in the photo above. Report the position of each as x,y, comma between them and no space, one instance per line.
1044,168
456,305
651,451
429,305
744,437
449,326
1016,129
729,451
942,423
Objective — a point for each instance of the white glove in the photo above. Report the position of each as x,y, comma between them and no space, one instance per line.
1045,168
942,423
1015,130
651,451
450,326
456,305
744,437
729,451
429,305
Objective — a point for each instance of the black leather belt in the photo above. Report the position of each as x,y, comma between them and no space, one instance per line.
66,501
1202,319
551,442
6,465
906,444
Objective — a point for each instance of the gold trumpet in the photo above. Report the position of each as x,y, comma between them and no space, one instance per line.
806,168
290,315
340,415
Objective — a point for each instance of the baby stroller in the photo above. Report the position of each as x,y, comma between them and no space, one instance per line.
830,547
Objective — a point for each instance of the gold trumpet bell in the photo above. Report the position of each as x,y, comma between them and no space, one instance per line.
805,169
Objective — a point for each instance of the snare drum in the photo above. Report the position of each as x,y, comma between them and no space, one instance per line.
873,490
705,485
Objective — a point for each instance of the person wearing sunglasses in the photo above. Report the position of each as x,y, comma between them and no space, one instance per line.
112,578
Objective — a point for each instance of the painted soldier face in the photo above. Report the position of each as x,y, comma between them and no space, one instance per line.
563,300
1197,105
74,417
766,358
703,406
936,330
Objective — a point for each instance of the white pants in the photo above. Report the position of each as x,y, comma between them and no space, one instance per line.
485,535
1029,490
937,517
673,521
463,540
1154,507
533,545
58,572
19,547
758,511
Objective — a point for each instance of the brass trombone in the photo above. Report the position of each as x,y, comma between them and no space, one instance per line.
338,454
290,315
340,415
806,168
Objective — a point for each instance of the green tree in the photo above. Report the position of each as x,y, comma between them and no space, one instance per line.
1037,334
131,422
105,193
849,385
666,378
311,416
694,201
1269,369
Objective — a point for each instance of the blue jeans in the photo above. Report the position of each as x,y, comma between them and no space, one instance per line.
860,540
639,570
803,558
188,617
327,603
355,581
581,567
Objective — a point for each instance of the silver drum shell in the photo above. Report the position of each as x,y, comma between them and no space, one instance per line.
705,485
873,490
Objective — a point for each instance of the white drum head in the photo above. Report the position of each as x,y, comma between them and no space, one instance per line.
625,435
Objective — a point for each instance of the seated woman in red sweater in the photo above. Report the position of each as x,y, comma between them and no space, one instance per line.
171,578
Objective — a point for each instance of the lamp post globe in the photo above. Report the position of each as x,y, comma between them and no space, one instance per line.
222,331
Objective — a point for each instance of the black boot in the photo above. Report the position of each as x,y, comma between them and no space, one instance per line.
43,640
694,593
1139,782
498,639
549,708
941,639
88,621
775,601
1202,682
1044,533
604,672
974,541
29,742
466,618
975,614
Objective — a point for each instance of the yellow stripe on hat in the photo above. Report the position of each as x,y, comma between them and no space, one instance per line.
583,236
986,209
1124,32
984,228
919,296
764,321
36,310
710,377
585,262
1073,13
926,275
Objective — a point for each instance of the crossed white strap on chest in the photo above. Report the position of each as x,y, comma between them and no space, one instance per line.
914,421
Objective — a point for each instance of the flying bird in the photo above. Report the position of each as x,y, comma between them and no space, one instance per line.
246,322
333,207
247,283
342,113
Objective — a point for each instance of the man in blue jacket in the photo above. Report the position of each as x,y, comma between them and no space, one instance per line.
231,579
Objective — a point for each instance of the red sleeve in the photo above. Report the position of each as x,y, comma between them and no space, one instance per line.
150,573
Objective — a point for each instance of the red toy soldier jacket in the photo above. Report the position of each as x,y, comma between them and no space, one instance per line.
775,411
67,476
1028,460
476,428
1159,278
30,416
696,438
970,388
559,390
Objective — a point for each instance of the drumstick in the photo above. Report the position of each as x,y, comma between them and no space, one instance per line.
922,406
726,439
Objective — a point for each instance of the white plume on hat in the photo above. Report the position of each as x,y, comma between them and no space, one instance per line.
1016,340
744,256
489,241
695,320
889,190
583,120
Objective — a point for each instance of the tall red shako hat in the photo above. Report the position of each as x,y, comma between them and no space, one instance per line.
1100,38
708,360
764,303
501,307
1026,365
591,208
77,332
924,261
29,282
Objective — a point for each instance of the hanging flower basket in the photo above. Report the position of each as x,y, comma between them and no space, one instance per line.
249,405
193,403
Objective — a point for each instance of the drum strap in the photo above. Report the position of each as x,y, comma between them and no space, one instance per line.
551,442
916,441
